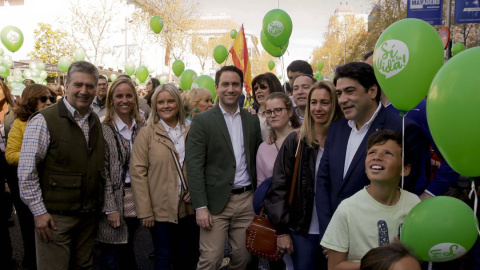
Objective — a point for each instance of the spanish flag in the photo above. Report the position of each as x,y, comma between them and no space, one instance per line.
239,52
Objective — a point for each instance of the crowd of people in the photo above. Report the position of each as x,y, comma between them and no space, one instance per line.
88,165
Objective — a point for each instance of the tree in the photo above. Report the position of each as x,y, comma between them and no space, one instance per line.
51,44
91,26
259,63
175,15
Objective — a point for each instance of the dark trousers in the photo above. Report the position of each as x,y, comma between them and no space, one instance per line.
307,252
120,256
5,212
25,219
176,245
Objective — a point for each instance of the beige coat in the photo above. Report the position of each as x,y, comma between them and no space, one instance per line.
154,176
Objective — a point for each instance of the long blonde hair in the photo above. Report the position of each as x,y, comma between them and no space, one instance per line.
307,130
172,89
110,111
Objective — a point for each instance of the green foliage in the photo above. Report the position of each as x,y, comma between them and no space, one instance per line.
51,44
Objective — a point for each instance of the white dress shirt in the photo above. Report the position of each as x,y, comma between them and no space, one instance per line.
235,129
356,138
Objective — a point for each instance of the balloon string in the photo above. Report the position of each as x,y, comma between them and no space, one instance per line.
283,70
475,205
403,149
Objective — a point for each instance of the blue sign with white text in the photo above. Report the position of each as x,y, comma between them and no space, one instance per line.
467,11
427,10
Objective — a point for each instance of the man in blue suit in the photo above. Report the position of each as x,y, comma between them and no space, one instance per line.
342,168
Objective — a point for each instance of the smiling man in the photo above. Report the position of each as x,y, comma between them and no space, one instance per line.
342,168
220,157
302,84
61,173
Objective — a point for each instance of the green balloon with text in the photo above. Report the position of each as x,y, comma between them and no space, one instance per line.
12,38
277,26
407,56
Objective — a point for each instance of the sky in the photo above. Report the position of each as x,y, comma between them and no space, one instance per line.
309,17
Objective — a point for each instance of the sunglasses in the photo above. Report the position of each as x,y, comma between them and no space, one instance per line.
52,99
261,86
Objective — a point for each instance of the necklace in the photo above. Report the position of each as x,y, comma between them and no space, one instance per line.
276,146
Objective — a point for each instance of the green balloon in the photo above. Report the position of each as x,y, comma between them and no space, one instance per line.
4,72
113,77
270,48
440,229
163,79
271,64
142,73
206,82
280,77
186,79
277,26
233,33
156,23
319,65
178,67
451,103
318,76
220,53
129,68
64,63
407,56
457,48
12,38
79,55
41,66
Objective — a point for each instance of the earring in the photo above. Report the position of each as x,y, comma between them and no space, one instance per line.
290,123
195,110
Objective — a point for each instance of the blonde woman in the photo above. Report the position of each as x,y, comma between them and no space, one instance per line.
196,101
297,224
118,224
162,198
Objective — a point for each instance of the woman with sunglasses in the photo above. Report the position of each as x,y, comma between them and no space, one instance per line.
296,224
34,98
263,85
118,224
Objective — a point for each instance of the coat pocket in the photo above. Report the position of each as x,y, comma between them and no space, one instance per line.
64,192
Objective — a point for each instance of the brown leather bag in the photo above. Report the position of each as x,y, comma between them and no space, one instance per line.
261,240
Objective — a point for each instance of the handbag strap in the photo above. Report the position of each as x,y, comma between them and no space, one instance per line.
295,171
179,170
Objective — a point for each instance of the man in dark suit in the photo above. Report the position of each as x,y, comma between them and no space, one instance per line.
342,168
220,158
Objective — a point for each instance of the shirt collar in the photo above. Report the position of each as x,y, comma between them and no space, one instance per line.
352,124
225,112
121,125
74,112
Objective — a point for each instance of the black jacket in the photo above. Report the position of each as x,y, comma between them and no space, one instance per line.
299,215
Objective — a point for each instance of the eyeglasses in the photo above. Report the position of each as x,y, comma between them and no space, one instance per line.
52,99
102,84
261,86
276,111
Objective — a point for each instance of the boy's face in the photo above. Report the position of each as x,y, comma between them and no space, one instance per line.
384,162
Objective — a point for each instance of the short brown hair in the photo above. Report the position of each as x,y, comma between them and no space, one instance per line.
28,104
381,136
384,257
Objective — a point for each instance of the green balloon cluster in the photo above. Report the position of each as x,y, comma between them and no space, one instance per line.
318,76
277,26
130,68
178,67
440,229
12,38
458,48
319,66
186,79
206,82
451,107
64,63
271,64
220,54
270,48
233,33
36,72
407,56
142,73
156,23
79,55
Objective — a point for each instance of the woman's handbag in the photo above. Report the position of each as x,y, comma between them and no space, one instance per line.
261,240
